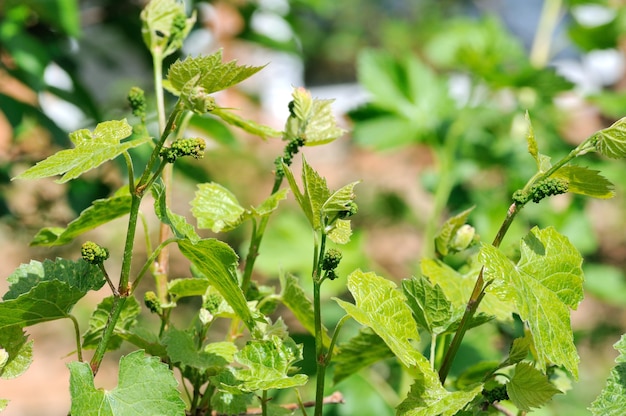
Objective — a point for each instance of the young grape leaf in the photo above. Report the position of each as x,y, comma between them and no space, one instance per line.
247,125
311,119
216,208
182,288
3,404
585,181
340,199
145,387
362,350
270,204
529,388
164,26
100,317
207,73
268,363
543,161
543,286
42,292
612,399
218,263
518,352
17,352
611,141
229,399
380,306
427,397
182,348
314,193
294,298
146,340
177,223
458,288
340,232
431,309
100,212
90,151
447,231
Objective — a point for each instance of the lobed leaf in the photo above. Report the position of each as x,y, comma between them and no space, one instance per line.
294,298
91,150
314,193
543,286
362,350
529,388
611,141
268,363
100,317
208,72
270,204
228,398
145,387
612,399
381,307
182,348
431,309
311,119
100,212
585,181
341,232
216,208
218,263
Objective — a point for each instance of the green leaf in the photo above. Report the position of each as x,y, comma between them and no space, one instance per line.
314,193
271,203
91,150
164,26
427,397
42,292
543,161
182,348
612,399
518,352
611,141
543,286
100,317
145,387
182,288
100,212
446,233
229,399
177,223
145,339
247,125
341,232
311,119
380,306
294,298
362,350
17,352
208,73
458,288
218,263
216,208
269,362
585,181
340,199
529,388
429,304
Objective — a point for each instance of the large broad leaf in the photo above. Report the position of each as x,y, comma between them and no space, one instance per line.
164,26
311,119
216,208
90,151
100,212
218,263
268,363
100,318
145,387
543,286
612,399
177,223
381,307
361,351
208,73
42,292
294,298
611,141
529,388
16,352
585,181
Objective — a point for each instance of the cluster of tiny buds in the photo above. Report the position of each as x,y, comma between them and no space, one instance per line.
184,147
331,260
497,394
137,100
291,149
541,190
152,302
92,253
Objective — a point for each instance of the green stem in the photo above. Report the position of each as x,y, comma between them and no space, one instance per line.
157,64
540,51
320,356
79,350
116,310
149,262
264,403
333,341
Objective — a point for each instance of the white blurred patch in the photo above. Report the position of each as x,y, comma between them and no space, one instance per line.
592,15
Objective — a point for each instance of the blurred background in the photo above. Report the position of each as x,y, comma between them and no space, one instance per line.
434,94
